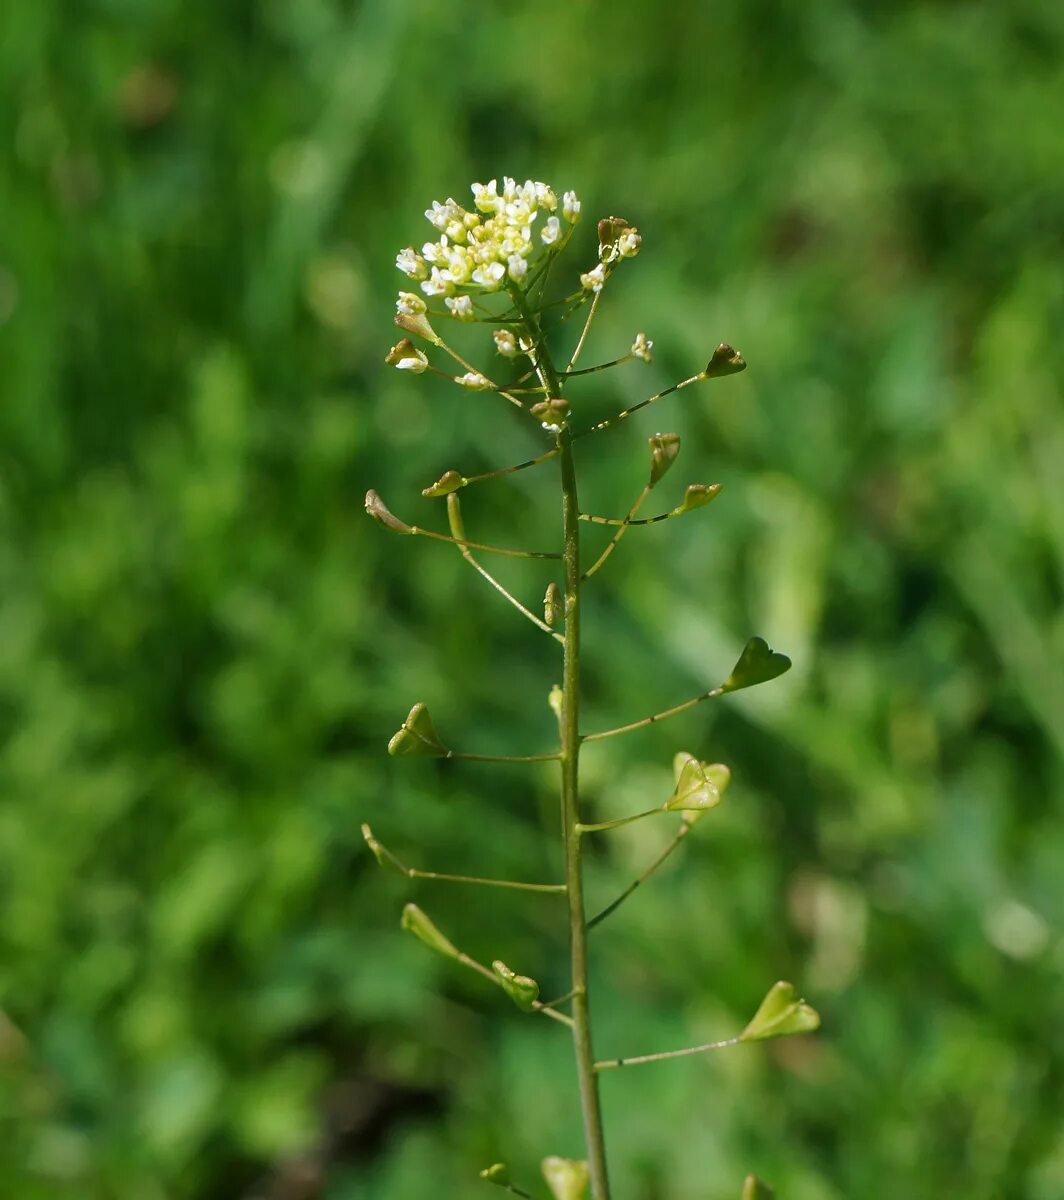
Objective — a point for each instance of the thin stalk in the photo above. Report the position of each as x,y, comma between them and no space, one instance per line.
618,822
537,1007
660,716
417,531
587,1077
612,544
522,466
583,335
508,595
685,829
648,1058
621,416
504,758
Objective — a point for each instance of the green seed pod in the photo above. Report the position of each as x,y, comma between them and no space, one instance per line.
497,1173
782,1012
757,664
454,517
384,857
414,921
664,448
694,791
449,481
726,360
696,495
378,510
567,1178
522,990
417,736
756,1189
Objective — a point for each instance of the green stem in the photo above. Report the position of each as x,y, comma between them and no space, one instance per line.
685,828
587,1077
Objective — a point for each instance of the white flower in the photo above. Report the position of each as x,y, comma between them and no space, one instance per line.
550,232
474,381
628,243
411,263
517,267
414,361
545,197
591,280
505,342
461,307
642,347
489,275
571,207
438,284
485,197
409,304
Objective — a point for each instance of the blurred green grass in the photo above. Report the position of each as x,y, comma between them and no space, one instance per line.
204,645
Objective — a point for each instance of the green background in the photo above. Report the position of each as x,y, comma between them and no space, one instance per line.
204,645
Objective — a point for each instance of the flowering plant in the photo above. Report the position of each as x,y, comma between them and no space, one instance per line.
490,264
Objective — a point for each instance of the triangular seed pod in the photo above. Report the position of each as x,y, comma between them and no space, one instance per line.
694,792
695,496
757,664
782,1012
418,325
377,509
417,736
726,360
414,921
567,1178
522,990
664,448
449,481
384,857
756,1189
498,1173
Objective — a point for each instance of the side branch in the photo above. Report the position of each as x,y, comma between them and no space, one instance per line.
648,1058
451,481
685,829
660,716
391,863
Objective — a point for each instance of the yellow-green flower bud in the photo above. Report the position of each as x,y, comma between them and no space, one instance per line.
567,1178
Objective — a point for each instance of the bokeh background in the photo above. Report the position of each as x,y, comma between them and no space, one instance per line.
204,644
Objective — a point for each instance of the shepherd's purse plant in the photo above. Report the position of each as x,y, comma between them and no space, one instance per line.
491,264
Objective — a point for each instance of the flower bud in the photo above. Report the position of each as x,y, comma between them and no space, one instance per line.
376,508
567,1178
554,700
643,348
505,342
552,603
417,736
629,242
524,992
756,1189
449,481
474,381
664,448
414,921
726,360
552,413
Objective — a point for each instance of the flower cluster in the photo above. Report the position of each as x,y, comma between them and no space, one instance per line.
481,249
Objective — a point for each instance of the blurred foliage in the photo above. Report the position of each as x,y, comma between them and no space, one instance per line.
204,645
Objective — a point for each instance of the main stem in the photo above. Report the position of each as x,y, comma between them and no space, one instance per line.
587,1076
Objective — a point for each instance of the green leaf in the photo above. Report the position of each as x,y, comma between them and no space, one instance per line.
782,1012
498,1173
414,921
567,1178
384,857
694,791
417,736
726,360
757,664
664,447
522,990
756,1189
449,481
696,495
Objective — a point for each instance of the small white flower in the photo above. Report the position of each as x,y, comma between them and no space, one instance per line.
643,347
489,275
592,280
485,196
439,283
474,381
550,232
411,263
517,267
415,362
505,342
409,304
545,197
461,307
628,243
571,207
